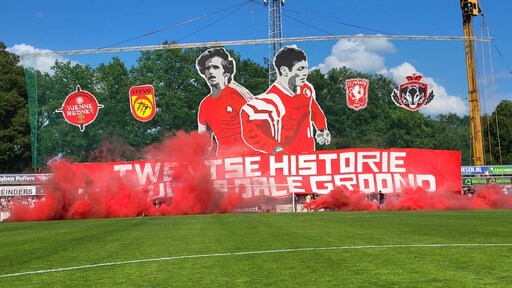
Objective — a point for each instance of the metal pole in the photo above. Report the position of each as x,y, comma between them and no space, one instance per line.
294,209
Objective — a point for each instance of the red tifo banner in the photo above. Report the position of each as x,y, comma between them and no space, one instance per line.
278,175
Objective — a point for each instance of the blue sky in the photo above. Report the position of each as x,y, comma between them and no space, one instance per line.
59,25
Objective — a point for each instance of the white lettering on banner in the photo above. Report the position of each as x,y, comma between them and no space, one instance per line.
349,162
221,185
385,160
367,182
295,184
252,168
238,167
25,178
274,186
262,186
122,168
308,162
281,174
327,160
148,172
385,182
471,169
289,165
234,167
397,158
321,184
246,185
346,180
80,112
283,166
79,109
426,178
17,190
246,210
22,179
164,189
213,166
6,179
168,171
377,161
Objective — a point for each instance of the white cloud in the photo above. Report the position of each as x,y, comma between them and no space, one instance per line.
362,55
41,63
366,55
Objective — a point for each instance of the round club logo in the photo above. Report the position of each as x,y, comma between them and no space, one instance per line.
80,108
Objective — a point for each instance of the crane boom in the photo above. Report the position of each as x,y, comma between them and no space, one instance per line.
469,10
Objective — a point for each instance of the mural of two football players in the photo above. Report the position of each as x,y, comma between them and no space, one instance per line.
279,120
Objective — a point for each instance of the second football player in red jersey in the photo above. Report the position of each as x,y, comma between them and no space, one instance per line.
282,119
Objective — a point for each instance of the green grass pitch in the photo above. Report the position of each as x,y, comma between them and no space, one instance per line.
471,248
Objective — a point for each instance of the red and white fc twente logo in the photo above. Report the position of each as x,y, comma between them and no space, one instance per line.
412,95
357,93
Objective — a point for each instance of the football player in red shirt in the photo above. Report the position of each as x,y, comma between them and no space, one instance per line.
282,119
219,112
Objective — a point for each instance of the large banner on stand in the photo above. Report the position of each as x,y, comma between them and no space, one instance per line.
278,175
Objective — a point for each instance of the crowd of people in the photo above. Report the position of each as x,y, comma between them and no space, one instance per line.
468,191
7,203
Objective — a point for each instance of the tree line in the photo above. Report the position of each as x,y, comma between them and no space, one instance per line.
32,132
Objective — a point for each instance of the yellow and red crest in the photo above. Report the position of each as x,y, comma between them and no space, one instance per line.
143,102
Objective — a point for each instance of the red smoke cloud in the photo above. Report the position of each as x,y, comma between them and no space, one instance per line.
341,200
485,197
74,192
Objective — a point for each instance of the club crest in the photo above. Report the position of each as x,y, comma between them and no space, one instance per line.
357,93
80,108
413,94
142,102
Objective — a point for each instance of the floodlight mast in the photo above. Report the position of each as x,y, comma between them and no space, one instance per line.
275,32
470,9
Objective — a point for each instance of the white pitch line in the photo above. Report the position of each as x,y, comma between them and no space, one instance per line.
254,252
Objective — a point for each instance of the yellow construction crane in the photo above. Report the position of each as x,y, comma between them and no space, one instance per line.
470,9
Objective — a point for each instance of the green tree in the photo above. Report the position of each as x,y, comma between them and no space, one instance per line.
15,154
452,133
498,134
251,75
119,133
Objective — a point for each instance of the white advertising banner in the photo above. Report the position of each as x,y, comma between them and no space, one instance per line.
18,191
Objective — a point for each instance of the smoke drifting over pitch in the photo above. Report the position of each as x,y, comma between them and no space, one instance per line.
486,197
76,193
